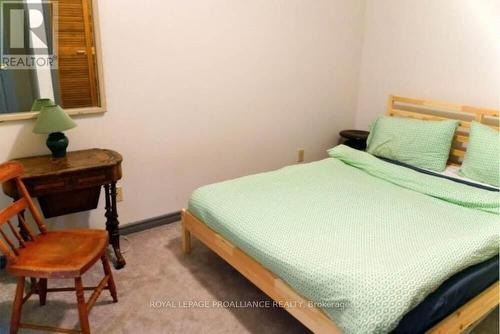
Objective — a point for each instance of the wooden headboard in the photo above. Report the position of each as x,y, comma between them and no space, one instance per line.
432,110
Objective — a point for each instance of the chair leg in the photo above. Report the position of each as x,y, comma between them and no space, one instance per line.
111,281
82,306
42,291
17,307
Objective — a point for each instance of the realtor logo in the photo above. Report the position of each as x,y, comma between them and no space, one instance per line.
28,34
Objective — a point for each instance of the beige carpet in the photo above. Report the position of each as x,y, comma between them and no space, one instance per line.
158,273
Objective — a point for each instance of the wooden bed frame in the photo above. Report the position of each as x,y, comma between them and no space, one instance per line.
314,318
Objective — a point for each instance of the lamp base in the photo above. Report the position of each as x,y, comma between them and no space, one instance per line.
57,143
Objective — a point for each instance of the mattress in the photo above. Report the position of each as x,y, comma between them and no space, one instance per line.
365,240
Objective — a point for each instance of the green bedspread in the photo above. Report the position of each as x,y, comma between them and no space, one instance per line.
367,239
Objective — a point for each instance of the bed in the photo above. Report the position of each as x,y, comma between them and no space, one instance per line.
356,244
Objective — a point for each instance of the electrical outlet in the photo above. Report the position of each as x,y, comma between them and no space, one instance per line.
300,155
119,194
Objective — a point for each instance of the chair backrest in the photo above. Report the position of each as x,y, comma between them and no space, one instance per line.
12,172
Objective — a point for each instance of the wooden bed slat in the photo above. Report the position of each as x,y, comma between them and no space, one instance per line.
457,153
439,105
417,115
461,139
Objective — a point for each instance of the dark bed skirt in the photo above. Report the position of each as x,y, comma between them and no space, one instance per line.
450,296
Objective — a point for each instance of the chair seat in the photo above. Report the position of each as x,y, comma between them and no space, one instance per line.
60,254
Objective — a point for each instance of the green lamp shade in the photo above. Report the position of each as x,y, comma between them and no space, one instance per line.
52,118
40,103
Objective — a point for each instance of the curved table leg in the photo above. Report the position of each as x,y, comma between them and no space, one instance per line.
112,223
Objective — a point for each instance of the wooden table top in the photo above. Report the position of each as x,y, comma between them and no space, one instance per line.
74,161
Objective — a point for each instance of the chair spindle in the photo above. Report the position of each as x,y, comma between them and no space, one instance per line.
9,242
25,226
16,234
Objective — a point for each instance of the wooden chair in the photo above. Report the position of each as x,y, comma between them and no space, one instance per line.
63,254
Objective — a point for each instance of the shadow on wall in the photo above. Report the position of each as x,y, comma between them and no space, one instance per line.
26,142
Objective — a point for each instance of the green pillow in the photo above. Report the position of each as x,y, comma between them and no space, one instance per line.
481,162
419,143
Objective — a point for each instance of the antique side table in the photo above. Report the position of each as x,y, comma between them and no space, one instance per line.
73,184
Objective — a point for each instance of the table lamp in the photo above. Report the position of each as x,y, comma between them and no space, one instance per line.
38,104
52,120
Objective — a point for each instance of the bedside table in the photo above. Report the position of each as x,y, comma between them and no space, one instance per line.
73,184
355,138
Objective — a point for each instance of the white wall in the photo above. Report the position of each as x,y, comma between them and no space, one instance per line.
436,49
206,90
